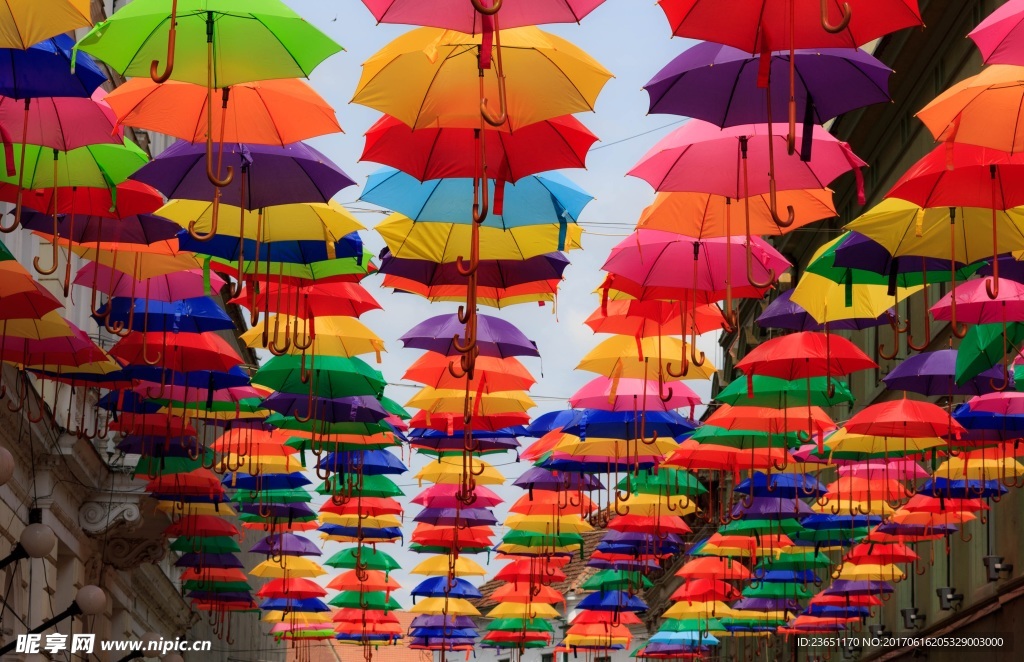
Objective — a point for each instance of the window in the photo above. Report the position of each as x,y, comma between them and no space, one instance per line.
547,657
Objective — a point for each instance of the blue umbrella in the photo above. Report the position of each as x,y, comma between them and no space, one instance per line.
688,638
534,200
438,587
290,251
294,604
438,621
209,379
835,611
360,532
244,481
612,601
962,488
444,633
456,517
351,409
45,70
369,463
784,485
195,315
625,424
129,401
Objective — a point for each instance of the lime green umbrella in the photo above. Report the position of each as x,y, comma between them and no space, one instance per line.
343,266
667,481
93,166
616,580
802,560
691,625
781,393
214,545
750,527
332,376
216,42
373,559
370,600
370,486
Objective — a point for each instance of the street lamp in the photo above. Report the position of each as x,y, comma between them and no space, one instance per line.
37,540
89,601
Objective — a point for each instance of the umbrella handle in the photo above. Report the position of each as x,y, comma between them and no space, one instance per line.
274,349
56,252
487,11
172,33
774,208
970,536
665,396
309,329
463,348
835,28
495,120
895,339
28,410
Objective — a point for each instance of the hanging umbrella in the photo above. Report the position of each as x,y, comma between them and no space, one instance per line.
455,16
547,77
996,36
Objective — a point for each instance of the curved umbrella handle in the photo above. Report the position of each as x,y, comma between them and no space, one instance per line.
843,23
772,276
774,208
495,120
54,260
665,396
487,11
895,339
172,33
463,348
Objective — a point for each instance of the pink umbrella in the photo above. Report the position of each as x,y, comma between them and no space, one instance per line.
973,304
170,287
898,468
180,393
1000,37
632,395
446,496
1004,404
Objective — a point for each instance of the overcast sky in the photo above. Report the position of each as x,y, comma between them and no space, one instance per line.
632,40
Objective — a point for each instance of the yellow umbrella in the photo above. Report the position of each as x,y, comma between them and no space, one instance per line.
436,566
448,471
448,607
869,572
685,609
523,610
978,467
842,441
618,356
615,448
854,507
289,567
266,464
296,617
577,640
28,22
378,522
446,242
50,325
431,77
826,300
332,336
548,525
307,221
651,505
447,400
758,616
215,509
140,265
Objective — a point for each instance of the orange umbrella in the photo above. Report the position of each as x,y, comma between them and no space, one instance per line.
500,374
543,445
645,318
547,502
271,112
693,455
714,567
703,215
376,580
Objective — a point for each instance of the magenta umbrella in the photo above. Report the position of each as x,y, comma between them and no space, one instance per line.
169,287
902,468
632,395
461,15
1004,404
1000,37
61,123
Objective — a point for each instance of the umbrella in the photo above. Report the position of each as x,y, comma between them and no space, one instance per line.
709,215
441,152
25,24
783,313
934,373
454,15
494,337
997,36
802,355
547,77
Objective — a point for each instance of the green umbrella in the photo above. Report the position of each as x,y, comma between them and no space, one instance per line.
220,587
542,540
616,580
324,427
162,466
841,533
372,558
750,527
778,590
982,348
93,166
372,486
781,393
392,407
214,545
304,444
666,482
744,439
235,42
691,625
375,600
343,266
255,518
802,560
520,625
332,376
273,496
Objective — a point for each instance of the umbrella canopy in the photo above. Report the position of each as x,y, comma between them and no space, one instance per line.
495,337
455,16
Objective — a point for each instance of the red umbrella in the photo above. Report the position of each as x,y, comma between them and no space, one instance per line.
714,567
436,153
180,352
152,425
588,617
705,590
883,553
198,482
455,422
334,298
201,526
803,355
904,418
132,198
294,588
350,615
660,525
365,506
547,570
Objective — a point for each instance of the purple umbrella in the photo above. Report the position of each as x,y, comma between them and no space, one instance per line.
495,337
1010,268
858,587
158,446
723,85
767,604
285,544
439,621
354,409
860,252
456,517
933,373
141,229
536,478
782,313
278,511
771,508
491,273
271,174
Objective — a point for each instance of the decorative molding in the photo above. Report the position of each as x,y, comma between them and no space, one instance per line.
98,518
130,553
